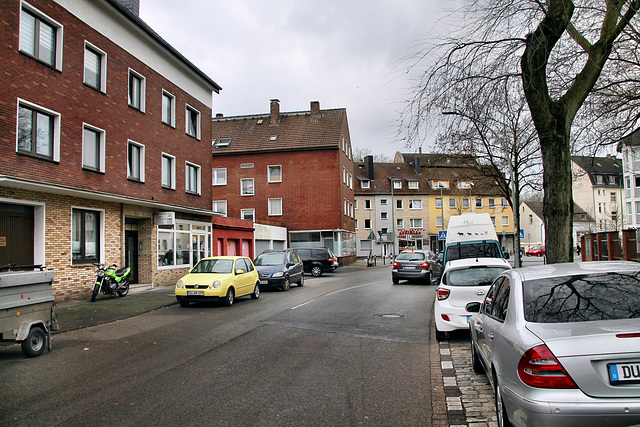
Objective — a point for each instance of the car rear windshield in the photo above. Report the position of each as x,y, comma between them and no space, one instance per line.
473,250
220,266
583,298
473,276
271,259
410,256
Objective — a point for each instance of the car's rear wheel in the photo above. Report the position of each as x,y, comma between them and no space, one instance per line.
427,280
441,336
256,291
395,280
301,281
229,298
286,284
475,361
316,271
501,412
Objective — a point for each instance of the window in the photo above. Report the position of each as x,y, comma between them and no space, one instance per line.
246,187
367,204
383,202
38,131
629,213
438,203
493,220
464,185
399,204
168,109
40,37
95,67
192,178
412,185
224,142
168,171
505,221
275,207
415,204
248,214
384,215
135,162
357,226
478,203
397,185
599,179
416,222
637,212
399,223
274,173
452,202
613,197
246,165
530,219
193,122
438,221
492,203
137,88
365,184
367,223
440,184
465,203
505,203
93,146
85,231
219,176
355,203
220,207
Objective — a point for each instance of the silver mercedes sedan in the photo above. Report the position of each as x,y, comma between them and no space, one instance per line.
560,344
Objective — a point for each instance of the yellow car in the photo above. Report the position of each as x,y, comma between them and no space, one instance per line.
219,278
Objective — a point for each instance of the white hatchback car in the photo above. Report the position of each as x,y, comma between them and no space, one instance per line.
463,281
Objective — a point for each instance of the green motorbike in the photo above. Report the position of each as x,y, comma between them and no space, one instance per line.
111,281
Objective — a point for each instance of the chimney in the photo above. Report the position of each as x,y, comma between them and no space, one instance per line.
415,164
275,112
132,5
219,115
315,109
368,167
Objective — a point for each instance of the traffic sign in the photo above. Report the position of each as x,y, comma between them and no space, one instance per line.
522,233
442,235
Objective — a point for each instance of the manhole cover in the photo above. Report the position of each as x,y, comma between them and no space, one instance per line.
391,316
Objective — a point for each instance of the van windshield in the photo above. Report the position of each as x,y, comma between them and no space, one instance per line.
473,250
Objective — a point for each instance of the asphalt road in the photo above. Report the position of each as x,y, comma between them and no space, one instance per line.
346,349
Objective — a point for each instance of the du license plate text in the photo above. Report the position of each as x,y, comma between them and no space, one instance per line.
624,372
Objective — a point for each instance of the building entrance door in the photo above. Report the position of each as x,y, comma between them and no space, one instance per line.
16,234
131,254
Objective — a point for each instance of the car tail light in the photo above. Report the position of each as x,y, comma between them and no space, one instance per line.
538,367
396,265
442,293
445,317
424,265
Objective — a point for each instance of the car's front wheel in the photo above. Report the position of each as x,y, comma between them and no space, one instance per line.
286,284
256,291
229,298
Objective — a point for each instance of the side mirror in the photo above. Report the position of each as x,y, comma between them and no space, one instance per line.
240,271
290,264
473,307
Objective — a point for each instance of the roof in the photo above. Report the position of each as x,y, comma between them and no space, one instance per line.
438,159
633,139
294,131
384,172
149,31
579,214
599,165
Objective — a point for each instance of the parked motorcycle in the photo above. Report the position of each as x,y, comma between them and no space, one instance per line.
111,281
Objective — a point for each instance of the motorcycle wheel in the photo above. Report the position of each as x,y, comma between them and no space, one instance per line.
94,294
123,290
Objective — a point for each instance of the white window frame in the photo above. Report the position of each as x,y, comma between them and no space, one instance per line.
492,203
59,34
438,202
215,179
415,204
253,187
397,184
172,171
217,206
413,185
479,203
269,169
365,184
438,221
399,204
143,90
400,223
452,203
505,221
103,66
384,215
101,148
415,223
172,99
273,205
192,110
465,203
188,169
141,161
365,223
243,212
55,152
367,202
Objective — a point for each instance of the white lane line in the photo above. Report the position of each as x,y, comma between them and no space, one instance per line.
335,292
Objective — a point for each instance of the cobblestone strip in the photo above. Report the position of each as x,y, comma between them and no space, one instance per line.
476,394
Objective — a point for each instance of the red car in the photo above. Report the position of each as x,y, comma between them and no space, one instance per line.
537,251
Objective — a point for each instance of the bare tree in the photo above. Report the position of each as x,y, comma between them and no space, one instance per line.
559,51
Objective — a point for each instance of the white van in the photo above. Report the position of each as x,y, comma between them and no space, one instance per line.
471,235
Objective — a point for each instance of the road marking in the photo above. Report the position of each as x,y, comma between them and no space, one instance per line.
335,292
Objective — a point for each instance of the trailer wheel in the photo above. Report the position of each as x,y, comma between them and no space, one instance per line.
33,346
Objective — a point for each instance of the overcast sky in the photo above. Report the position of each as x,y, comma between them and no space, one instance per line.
342,53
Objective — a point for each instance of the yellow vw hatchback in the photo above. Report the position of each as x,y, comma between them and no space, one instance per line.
219,278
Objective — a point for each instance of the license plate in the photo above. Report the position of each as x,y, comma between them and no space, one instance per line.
624,372
264,282
410,267
195,293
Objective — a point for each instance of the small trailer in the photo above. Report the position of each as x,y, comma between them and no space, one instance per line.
26,307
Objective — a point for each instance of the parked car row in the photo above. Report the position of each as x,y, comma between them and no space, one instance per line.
224,278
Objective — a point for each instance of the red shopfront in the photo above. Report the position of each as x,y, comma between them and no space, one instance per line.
232,236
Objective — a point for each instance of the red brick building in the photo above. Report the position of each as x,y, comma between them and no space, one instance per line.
104,128
288,169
